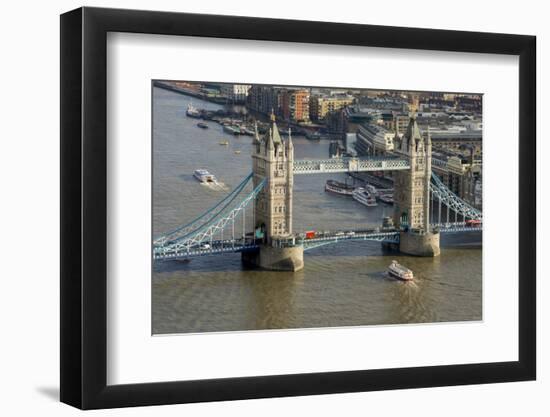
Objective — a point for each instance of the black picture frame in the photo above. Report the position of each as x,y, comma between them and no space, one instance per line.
84,207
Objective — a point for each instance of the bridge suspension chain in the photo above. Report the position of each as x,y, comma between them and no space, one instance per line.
206,233
452,201
204,218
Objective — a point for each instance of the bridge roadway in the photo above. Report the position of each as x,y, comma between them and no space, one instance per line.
215,247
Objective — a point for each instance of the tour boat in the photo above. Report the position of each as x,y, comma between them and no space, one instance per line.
192,111
364,197
400,272
338,187
204,176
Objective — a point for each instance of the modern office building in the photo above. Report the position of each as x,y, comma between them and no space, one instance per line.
320,106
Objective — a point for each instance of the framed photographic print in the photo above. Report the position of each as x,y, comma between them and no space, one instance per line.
257,208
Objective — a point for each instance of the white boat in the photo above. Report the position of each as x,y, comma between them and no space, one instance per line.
232,130
400,272
364,197
386,198
192,111
371,189
204,176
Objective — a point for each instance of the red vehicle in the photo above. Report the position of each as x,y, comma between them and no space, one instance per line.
473,223
310,234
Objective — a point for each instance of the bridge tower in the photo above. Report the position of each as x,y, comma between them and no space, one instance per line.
412,193
273,160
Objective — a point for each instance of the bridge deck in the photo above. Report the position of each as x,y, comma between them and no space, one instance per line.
231,246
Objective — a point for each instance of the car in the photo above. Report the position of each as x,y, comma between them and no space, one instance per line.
205,246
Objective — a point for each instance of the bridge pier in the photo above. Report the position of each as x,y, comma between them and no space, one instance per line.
276,258
419,243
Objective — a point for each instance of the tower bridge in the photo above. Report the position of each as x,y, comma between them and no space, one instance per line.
271,242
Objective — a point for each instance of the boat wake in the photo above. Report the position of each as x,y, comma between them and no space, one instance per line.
217,186
413,305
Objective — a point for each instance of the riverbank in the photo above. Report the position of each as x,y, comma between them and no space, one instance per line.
188,92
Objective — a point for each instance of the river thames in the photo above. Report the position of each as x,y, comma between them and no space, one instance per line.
341,285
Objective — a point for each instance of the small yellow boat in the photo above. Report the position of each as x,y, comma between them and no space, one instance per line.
237,152
224,142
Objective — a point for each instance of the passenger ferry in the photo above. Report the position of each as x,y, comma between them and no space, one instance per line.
204,176
192,111
364,197
338,188
400,272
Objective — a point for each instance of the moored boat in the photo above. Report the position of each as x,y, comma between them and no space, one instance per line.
386,198
202,125
231,130
371,189
363,196
192,111
400,272
247,131
313,136
337,187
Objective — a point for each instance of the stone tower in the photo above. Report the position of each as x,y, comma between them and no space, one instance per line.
411,195
410,199
272,159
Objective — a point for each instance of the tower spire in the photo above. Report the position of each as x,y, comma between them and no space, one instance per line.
270,144
290,146
256,134
428,136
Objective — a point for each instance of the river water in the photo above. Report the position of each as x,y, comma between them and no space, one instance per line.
340,285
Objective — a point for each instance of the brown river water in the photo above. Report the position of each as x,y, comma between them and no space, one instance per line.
341,285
